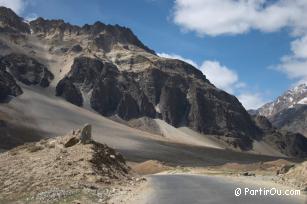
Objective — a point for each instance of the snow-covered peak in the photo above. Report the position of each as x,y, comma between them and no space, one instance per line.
292,97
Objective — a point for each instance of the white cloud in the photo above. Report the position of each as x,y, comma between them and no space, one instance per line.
216,17
224,78
220,75
16,5
219,17
251,100
175,56
295,65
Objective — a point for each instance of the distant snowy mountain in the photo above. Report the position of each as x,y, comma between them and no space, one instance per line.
292,97
289,111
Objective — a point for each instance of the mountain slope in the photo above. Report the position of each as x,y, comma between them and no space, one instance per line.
107,70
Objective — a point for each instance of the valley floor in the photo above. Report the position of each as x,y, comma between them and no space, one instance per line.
52,116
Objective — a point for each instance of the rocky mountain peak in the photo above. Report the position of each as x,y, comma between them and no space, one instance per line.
103,36
292,97
106,68
288,111
10,22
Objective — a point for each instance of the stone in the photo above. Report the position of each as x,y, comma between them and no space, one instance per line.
71,142
248,174
285,168
86,134
76,48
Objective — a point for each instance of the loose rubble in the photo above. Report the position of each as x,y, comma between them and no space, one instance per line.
62,168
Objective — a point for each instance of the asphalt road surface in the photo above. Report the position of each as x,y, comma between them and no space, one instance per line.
194,189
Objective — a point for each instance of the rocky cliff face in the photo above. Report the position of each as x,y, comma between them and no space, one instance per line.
8,86
288,143
107,68
26,70
181,99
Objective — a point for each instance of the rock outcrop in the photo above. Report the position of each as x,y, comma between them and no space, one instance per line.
10,22
288,143
69,92
293,119
103,36
296,176
51,163
26,69
8,86
181,96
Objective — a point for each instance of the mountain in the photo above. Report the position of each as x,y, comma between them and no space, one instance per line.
289,111
108,70
288,143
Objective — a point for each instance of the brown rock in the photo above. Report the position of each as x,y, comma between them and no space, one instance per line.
71,142
86,134
285,168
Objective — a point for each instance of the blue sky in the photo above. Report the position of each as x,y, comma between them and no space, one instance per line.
249,51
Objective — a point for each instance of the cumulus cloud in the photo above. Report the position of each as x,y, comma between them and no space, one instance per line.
16,5
295,65
233,17
219,17
220,75
216,17
251,100
175,56
224,78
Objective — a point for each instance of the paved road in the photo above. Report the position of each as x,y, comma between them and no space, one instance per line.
192,189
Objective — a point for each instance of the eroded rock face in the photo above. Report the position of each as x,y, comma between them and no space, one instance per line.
181,97
8,86
128,107
111,92
288,143
26,69
173,105
68,91
105,97
10,22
